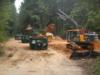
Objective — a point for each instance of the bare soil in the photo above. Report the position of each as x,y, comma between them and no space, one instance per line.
19,59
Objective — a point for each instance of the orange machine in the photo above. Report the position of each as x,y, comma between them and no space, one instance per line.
80,39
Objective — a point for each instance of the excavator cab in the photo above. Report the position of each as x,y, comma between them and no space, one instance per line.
73,35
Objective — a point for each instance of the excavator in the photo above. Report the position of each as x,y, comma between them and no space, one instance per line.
79,39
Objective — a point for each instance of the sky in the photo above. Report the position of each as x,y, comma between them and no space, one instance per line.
18,4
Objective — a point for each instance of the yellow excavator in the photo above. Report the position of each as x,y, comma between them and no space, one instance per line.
78,38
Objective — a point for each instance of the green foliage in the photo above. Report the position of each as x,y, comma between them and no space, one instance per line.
96,68
46,10
5,17
94,20
1,51
3,36
85,12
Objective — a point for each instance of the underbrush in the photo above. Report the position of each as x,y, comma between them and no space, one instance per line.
1,49
96,67
3,37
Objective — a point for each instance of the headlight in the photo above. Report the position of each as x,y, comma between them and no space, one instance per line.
44,44
33,41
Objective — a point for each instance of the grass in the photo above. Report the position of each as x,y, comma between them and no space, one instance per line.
1,51
96,67
3,38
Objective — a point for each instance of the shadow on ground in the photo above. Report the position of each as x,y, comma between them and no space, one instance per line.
28,48
85,55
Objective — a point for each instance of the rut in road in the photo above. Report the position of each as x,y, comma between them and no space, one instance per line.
31,62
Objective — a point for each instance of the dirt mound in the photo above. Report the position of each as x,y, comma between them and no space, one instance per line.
58,43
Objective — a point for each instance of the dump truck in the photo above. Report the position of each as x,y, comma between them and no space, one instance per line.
38,41
26,34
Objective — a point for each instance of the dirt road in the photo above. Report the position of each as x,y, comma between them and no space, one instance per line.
21,60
